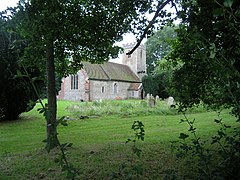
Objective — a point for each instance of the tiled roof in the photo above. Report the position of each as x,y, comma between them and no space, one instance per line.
110,71
134,86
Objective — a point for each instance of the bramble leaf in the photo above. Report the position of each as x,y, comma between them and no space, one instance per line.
183,136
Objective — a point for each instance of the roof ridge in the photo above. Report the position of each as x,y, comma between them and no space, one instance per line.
104,71
117,63
110,71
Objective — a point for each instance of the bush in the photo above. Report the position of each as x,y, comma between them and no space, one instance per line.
15,96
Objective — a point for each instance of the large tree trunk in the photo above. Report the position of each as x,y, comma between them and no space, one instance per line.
52,140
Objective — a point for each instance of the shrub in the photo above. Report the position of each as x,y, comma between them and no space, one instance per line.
15,96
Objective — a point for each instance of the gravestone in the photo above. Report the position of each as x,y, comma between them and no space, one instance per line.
151,101
171,101
148,96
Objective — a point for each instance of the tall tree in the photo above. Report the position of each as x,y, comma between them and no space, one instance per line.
16,91
208,51
85,30
157,84
158,46
208,47
158,70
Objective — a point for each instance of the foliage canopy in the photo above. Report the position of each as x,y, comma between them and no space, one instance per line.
208,47
158,46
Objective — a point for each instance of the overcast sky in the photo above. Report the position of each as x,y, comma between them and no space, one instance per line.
7,3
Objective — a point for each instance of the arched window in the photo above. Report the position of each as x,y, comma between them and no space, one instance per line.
102,89
115,88
74,81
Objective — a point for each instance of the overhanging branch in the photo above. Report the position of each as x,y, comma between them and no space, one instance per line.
160,7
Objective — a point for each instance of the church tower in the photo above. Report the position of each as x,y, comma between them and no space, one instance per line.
137,60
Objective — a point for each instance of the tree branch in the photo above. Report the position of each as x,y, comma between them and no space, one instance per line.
161,6
174,5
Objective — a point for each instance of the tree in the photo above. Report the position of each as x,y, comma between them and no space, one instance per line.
84,30
208,46
208,49
16,91
156,84
159,71
158,46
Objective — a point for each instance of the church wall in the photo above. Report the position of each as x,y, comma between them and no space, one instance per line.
73,94
97,92
141,62
134,94
130,60
91,90
137,60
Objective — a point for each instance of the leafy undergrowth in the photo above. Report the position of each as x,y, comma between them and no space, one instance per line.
99,150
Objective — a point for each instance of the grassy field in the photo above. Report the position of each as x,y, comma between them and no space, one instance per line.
99,150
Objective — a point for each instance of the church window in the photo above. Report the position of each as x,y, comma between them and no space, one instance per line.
74,81
132,93
102,89
115,88
141,54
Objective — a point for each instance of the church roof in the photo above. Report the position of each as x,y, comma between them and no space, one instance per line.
110,71
134,86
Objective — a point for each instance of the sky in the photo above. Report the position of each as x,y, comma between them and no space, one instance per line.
7,3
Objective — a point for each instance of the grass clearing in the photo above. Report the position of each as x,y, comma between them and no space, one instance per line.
99,148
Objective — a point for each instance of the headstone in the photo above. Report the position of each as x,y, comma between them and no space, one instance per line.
170,101
157,98
148,96
151,101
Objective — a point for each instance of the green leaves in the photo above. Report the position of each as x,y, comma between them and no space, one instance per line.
62,121
212,51
85,30
44,111
138,127
183,136
139,132
228,3
158,46
208,47
30,105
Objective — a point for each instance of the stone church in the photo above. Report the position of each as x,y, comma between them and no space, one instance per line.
108,80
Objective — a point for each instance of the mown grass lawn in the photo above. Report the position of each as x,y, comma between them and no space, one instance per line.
99,150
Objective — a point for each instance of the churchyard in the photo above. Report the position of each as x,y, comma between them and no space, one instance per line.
99,131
